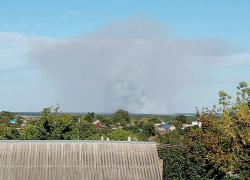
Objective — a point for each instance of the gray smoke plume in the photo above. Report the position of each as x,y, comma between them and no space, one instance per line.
128,64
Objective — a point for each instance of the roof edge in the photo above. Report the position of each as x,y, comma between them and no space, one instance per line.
76,141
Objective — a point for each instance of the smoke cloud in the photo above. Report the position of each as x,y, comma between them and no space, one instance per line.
128,64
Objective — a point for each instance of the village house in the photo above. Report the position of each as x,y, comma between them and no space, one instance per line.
99,124
164,128
194,123
157,125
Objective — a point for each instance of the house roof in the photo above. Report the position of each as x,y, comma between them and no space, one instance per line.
140,129
166,126
100,125
195,123
75,160
96,121
13,120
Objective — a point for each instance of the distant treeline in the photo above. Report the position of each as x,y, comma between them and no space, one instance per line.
190,116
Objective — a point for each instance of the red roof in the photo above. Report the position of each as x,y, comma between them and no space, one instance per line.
100,125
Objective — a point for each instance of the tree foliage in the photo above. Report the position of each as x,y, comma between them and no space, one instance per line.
224,145
51,125
149,128
5,116
9,133
181,119
120,116
154,120
121,135
173,122
178,166
88,117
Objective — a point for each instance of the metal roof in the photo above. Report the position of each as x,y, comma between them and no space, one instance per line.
13,120
166,126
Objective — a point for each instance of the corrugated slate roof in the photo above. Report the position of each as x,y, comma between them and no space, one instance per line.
75,160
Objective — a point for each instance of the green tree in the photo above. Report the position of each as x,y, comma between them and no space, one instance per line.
149,128
92,114
51,125
173,122
121,135
29,132
9,133
100,117
132,129
75,118
177,137
181,119
88,117
5,116
107,121
178,166
83,130
120,115
224,145
154,120
20,120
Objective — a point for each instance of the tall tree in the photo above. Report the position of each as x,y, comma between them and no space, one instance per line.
224,144
121,135
5,116
51,125
120,116
181,119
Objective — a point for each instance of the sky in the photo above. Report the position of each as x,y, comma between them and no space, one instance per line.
153,57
